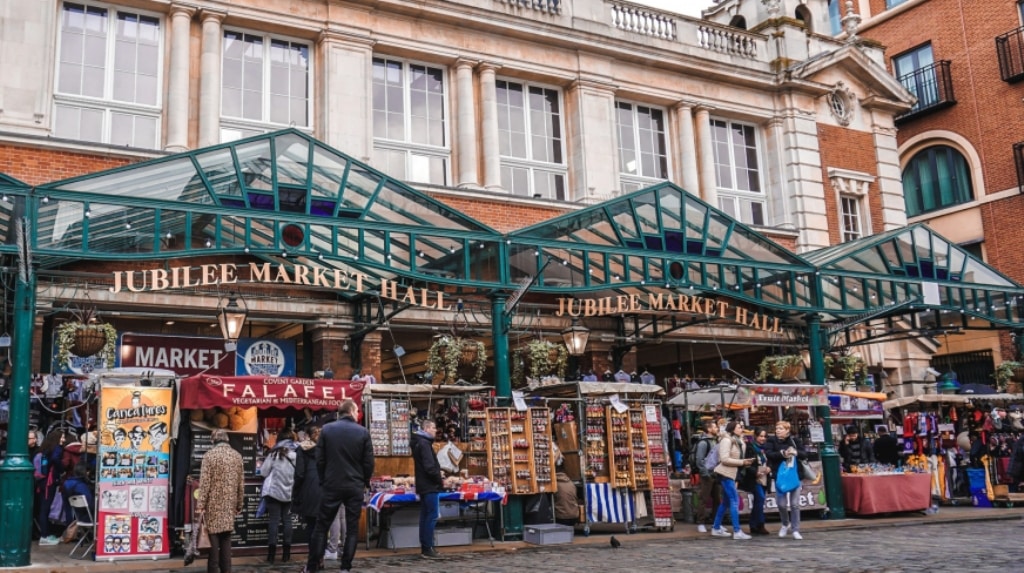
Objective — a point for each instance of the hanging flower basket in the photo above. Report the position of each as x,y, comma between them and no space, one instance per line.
539,358
452,356
780,368
88,341
84,338
1008,372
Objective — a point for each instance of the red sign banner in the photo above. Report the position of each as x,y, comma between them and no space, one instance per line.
205,391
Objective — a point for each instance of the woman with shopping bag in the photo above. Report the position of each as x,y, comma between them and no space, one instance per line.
784,454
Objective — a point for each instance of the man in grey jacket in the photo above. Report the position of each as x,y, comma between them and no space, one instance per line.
709,491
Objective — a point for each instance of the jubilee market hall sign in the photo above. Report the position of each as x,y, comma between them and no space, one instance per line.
337,279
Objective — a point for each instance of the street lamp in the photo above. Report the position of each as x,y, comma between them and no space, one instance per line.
232,318
575,338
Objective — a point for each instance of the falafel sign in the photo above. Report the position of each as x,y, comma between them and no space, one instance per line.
267,392
133,472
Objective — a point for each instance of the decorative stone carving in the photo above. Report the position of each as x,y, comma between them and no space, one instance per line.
841,102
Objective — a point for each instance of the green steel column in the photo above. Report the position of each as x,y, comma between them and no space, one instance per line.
512,512
829,456
499,336
16,470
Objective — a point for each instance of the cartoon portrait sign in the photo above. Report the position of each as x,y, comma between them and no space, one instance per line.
134,454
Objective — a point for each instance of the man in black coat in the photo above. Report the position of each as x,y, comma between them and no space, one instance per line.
344,464
885,447
429,485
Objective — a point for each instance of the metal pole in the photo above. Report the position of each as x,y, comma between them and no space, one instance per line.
16,470
499,336
829,456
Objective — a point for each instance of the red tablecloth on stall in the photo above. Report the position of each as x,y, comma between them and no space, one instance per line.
868,494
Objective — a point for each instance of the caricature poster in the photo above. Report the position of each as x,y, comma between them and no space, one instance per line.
134,467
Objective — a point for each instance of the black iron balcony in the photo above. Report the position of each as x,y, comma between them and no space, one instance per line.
1018,160
932,86
1010,48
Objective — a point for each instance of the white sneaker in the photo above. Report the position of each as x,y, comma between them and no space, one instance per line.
49,540
331,555
783,531
702,529
796,535
719,532
740,535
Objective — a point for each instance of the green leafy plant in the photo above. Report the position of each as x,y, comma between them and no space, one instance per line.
444,359
1005,372
852,367
538,355
85,319
774,367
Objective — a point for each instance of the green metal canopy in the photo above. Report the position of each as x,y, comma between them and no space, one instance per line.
286,197
282,196
661,238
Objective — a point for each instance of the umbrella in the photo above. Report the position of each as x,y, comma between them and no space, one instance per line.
976,389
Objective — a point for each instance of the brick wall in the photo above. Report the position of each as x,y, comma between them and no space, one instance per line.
501,216
854,150
988,111
37,166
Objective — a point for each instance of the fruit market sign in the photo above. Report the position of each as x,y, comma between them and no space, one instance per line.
783,395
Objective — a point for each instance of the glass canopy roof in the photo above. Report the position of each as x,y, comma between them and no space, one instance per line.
286,197
661,237
277,196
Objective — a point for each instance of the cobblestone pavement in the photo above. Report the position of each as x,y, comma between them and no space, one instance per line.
977,547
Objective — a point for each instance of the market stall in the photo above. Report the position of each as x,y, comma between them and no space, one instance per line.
251,409
614,448
475,497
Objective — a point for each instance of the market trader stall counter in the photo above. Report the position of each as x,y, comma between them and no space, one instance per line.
888,493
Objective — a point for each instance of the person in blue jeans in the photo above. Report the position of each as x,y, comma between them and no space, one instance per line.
730,455
429,485
754,478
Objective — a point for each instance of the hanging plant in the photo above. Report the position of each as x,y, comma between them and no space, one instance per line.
1005,373
539,358
449,353
849,368
786,366
84,337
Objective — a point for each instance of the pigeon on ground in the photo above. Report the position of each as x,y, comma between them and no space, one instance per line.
615,543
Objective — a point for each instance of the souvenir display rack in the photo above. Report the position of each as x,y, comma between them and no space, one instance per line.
620,448
476,450
390,433
655,445
519,450
639,456
543,462
596,450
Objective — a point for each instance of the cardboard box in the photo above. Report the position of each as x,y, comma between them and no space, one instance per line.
547,534
450,536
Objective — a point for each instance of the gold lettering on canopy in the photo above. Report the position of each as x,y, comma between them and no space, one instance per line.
670,303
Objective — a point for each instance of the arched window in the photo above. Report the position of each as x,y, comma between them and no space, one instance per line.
835,18
936,178
738,22
804,15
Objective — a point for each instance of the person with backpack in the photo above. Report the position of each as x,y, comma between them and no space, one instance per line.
780,448
730,454
278,471
47,474
709,491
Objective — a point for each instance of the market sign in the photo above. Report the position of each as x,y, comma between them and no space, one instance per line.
265,392
185,355
843,406
265,357
662,302
783,395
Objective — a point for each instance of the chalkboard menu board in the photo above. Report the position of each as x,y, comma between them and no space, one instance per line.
244,444
251,531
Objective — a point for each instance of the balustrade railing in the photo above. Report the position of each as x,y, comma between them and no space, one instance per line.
640,20
727,41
